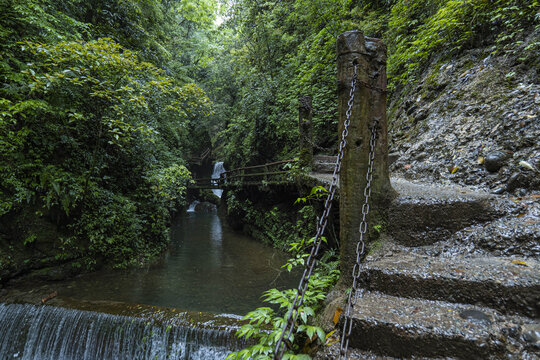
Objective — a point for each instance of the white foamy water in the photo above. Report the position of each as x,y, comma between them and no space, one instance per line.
53,333
193,205
218,170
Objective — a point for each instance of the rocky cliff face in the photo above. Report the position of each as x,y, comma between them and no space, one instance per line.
473,120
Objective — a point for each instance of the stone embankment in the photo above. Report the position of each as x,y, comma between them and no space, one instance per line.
456,276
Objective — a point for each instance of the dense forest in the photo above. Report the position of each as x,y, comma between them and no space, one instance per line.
104,102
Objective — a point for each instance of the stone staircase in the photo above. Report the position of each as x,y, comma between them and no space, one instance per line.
433,291
324,164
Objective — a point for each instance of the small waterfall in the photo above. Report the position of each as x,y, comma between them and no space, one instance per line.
193,205
53,333
218,170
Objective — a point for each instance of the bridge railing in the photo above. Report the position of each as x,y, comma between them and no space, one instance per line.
199,159
266,174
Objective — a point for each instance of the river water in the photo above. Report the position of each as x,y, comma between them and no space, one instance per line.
208,268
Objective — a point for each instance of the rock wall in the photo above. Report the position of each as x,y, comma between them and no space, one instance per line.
472,120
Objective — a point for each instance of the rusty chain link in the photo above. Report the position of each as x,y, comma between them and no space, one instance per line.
292,314
360,248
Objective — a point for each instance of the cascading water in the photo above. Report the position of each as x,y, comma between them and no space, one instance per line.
193,205
47,332
216,173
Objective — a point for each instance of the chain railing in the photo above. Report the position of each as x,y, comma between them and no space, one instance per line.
360,249
293,313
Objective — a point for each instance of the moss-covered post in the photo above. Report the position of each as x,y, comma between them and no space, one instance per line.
305,129
369,104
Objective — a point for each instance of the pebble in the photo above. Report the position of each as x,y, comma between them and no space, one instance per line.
513,182
420,115
475,315
531,333
494,161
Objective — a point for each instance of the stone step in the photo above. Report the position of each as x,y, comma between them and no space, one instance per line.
325,168
422,214
332,353
495,282
325,158
324,163
401,327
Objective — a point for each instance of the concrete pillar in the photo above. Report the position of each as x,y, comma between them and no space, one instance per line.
305,129
369,104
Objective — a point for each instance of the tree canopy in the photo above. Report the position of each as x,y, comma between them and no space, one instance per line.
95,127
103,102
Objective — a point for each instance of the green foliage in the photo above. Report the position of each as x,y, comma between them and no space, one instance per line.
170,184
418,30
93,138
317,192
272,226
272,53
265,324
112,226
279,53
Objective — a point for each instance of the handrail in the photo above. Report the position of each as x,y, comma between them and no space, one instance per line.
205,153
262,166
240,173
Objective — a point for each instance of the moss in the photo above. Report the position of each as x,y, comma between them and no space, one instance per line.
374,246
208,196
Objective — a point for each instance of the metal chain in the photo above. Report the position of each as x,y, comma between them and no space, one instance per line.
360,248
292,314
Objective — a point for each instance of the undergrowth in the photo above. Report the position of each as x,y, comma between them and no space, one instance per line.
264,325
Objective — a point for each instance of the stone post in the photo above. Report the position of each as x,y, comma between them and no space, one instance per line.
305,129
369,104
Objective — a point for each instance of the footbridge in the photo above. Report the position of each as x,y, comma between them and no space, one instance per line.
278,172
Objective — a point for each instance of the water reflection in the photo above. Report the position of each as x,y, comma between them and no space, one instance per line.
208,268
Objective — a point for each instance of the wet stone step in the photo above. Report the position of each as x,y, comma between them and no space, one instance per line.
402,328
423,214
325,168
324,163
332,353
505,284
325,158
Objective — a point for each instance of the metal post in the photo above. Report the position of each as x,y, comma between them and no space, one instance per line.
369,104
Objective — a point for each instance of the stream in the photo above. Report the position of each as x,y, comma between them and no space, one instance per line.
186,306
209,267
